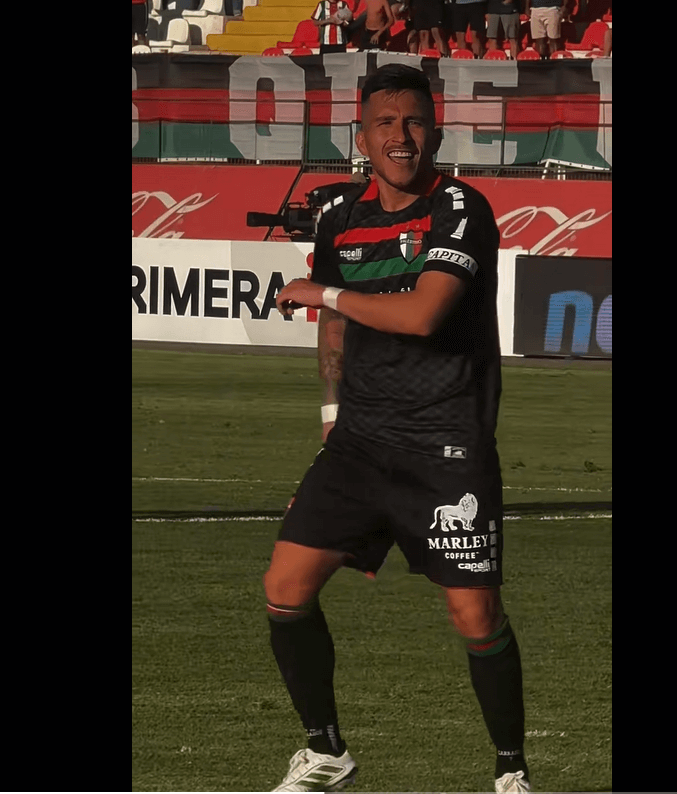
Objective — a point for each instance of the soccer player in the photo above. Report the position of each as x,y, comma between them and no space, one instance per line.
408,267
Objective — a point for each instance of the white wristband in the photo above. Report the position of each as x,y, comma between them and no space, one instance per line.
329,413
329,297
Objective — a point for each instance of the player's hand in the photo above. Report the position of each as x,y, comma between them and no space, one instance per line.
299,293
326,427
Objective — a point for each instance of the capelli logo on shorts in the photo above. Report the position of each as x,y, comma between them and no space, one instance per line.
477,567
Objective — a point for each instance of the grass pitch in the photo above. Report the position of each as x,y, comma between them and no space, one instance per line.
214,436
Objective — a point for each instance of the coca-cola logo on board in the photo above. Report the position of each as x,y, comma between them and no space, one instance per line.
514,225
171,213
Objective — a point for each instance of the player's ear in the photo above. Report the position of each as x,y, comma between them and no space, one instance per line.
360,143
437,139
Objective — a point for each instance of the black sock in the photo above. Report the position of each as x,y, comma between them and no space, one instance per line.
511,762
496,674
304,652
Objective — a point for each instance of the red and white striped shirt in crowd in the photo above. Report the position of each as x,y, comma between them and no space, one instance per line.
330,34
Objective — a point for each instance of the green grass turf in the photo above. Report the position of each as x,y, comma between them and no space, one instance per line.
255,421
210,712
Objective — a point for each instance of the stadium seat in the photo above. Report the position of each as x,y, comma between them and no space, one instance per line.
306,35
593,37
529,54
209,19
140,49
273,51
430,53
495,55
460,54
594,53
558,54
178,37
206,7
301,51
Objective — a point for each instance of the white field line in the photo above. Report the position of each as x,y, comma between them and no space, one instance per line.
216,520
296,482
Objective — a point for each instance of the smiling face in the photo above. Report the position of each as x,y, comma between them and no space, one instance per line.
399,137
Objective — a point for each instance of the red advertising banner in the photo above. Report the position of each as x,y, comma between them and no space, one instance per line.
543,217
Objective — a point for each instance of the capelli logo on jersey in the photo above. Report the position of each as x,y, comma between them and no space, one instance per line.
351,254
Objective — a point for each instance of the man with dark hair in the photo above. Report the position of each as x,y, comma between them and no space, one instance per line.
405,276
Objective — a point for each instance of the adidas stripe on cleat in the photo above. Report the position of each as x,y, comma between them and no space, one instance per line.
310,771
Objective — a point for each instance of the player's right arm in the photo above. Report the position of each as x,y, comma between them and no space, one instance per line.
330,330
331,324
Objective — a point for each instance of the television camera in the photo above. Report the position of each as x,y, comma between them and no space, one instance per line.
300,220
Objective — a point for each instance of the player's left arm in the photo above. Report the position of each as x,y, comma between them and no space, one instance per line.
419,312
458,245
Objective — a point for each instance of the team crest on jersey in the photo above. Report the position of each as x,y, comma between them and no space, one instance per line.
411,243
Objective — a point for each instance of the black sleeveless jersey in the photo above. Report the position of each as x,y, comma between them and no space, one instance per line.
436,395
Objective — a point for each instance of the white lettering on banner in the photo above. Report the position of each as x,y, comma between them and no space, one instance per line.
469,112
204,292
135,113
174,211
288,81
516,221
601,72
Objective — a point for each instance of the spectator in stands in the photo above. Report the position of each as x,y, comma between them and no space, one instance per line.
470,13
378,22
139,22
333,36
606,51
448,20
505,14
546,24
427,16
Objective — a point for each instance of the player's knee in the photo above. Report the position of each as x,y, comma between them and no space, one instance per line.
476,620
474,625
282,588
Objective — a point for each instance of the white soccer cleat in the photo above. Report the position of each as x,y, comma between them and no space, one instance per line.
310,771
512,782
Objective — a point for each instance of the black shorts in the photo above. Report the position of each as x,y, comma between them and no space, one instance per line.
139,18
365,41
471,14
427,14
361,498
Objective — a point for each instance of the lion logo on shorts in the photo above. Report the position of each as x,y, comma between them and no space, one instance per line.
465,511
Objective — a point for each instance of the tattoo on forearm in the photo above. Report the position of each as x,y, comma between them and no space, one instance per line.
331,327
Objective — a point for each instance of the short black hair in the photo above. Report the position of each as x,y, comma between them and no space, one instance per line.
396,77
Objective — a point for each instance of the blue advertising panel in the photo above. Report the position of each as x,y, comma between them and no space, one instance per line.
563,306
